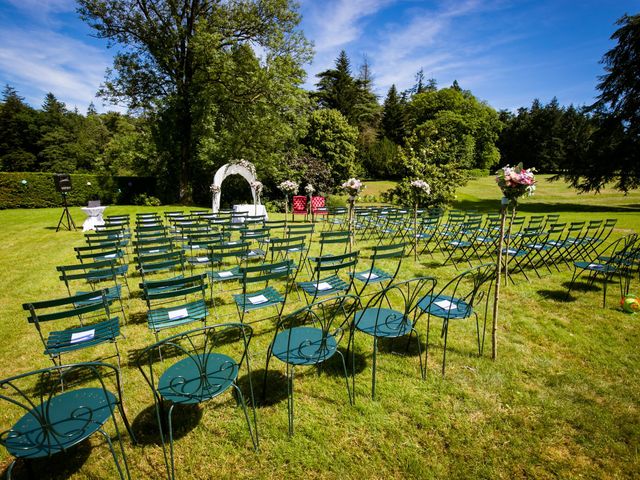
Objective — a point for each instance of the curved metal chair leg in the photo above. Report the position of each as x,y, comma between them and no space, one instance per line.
170,425
373,375
290,372
115,457
254,437
444,354
346,376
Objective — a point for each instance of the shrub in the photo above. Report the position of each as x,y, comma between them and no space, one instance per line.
478,172
333,201
146,200
37,190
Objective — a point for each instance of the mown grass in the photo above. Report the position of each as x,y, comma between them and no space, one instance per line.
561,401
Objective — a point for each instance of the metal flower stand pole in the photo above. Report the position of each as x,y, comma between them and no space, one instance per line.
502,263
352,209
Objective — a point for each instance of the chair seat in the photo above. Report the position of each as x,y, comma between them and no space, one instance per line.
374,275
197,379
72,417
382,322
596,267
174,316
82,337
266,297
304,346
459,243
514,252
444,306
327,286
225,275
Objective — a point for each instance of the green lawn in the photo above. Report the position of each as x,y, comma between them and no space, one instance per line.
561,401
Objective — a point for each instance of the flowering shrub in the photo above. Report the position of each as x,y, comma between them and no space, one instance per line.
422,186
309,189
289,187
353,187
516,182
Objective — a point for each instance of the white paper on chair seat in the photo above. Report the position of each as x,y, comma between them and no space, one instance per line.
93,299
258,299
446,305
111,255
232,243
595,265
369,276
178,314
154,251
323,286
225,274
82,336
512,252
202,259
252,253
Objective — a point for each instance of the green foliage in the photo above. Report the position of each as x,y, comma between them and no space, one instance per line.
335,201
197,71
394,117
464,129
332,139
39,189
610,153
146,200
478,172
382,159
422,163
353,98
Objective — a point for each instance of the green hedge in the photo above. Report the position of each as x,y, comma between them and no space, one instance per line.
35,190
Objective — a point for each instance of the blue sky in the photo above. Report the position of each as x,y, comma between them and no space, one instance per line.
506,52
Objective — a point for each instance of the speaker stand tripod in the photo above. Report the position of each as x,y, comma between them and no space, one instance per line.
66,216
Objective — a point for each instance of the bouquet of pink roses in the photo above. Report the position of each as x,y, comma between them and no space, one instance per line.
516,182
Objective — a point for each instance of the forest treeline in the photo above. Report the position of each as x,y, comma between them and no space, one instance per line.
240,105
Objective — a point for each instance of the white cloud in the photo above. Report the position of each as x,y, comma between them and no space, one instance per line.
39,61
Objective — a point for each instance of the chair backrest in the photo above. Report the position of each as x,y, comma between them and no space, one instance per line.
318,205
173,288
92,272
161,262
75,306
330,315
336,240
405,297
297,230
466,287
299,204
281,248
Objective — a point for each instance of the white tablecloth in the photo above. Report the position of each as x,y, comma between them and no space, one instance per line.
94,217
251,210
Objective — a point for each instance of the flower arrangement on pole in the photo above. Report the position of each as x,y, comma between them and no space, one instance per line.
515,183
288,187
309,189
353,187
257,188
420,189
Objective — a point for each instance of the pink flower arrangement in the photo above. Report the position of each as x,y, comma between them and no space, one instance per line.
516,182
289,187
353,187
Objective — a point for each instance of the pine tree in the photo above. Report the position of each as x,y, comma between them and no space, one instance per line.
394,117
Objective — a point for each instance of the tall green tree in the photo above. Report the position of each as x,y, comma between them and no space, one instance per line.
337,89
394,116
18,133
173,51
331,139
615,142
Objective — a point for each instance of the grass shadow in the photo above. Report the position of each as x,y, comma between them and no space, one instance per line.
62,465
557,295
184,418
275,384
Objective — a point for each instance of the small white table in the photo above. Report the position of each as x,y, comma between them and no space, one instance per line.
94,217
251,210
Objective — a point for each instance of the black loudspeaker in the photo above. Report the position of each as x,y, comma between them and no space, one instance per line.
63,182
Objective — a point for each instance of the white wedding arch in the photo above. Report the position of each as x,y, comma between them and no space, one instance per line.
243,168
